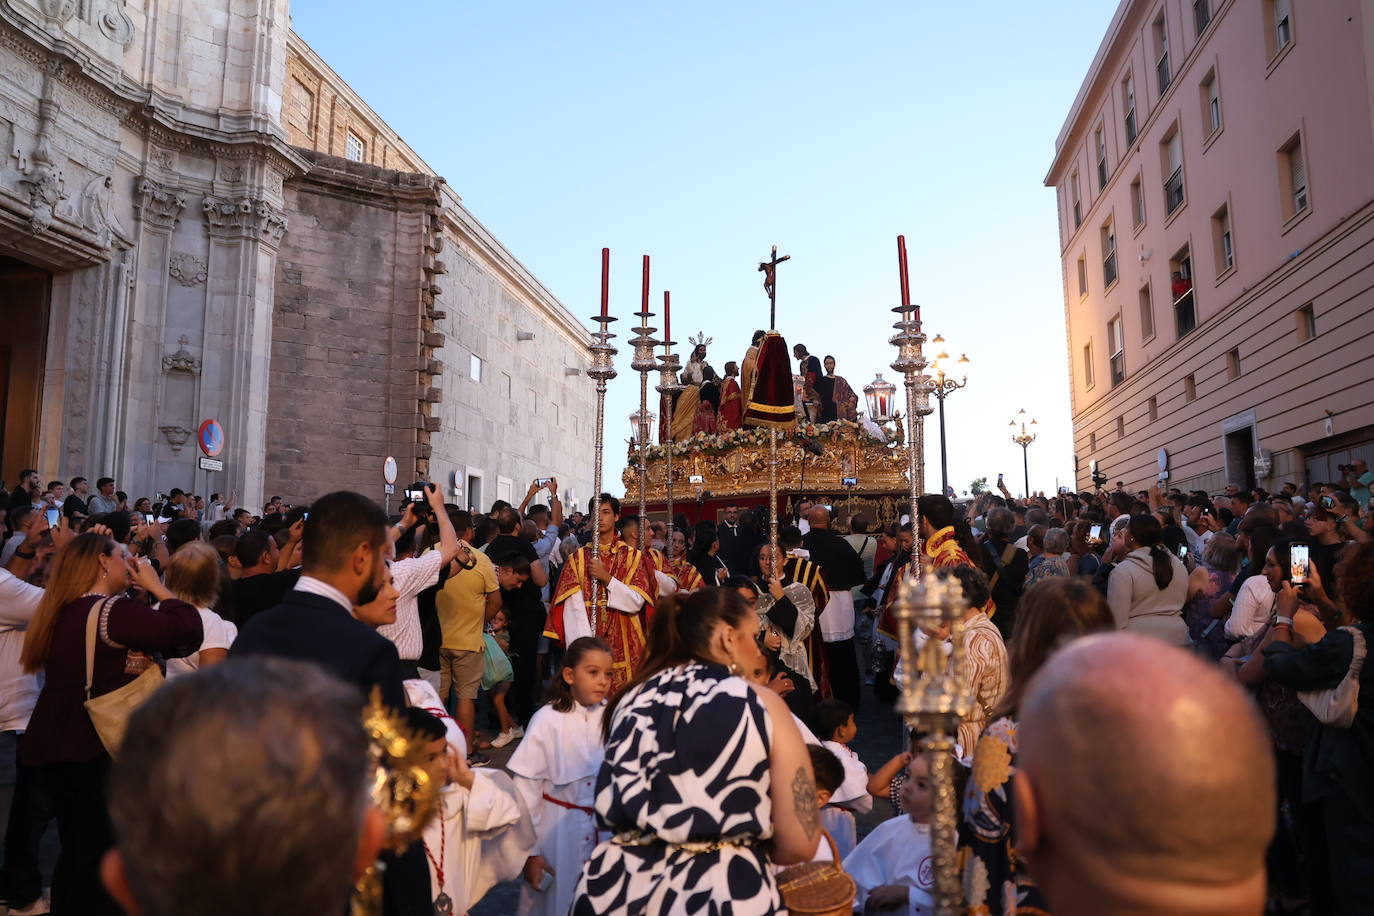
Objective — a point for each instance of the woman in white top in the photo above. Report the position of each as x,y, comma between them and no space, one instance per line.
1148,588
193,575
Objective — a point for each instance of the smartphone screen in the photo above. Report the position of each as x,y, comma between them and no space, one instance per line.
1183,551
542,481
147,518
53,516
1299,558
1327,502
1095,533
415,496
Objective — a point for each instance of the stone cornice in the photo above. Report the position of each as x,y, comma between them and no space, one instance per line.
344,177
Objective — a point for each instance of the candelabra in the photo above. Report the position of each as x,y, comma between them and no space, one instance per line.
602,370
943,387
668,386
935,697
911,362
1024,439
643,362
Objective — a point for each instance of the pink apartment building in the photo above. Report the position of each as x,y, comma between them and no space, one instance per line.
1215,184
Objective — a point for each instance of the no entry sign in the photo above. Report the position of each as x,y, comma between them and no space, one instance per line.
211,438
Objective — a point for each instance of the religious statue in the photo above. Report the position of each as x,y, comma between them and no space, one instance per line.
696,373
731,413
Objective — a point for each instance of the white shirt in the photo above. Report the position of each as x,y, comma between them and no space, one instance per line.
853,792
1254,602
837,618
896,852
411,577
18,691
219,634
577,622
11,545
312,586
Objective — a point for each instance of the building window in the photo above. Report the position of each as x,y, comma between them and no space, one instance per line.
1147,314
1137,203
1162,54
1100,143
1128,103
1092,442
1121,427
475,367
1307,323
1082,275
1202,15
1108,254
1171,154
1293,177
1152,408
1189,388
1210,93
1087,365
1077,201
1278,16
1181,291
1221,240
1233,364
1116,344
353,147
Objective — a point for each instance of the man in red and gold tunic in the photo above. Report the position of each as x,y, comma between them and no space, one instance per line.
627,595
731,400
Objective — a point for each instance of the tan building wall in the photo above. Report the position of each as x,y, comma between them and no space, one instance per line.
1252,104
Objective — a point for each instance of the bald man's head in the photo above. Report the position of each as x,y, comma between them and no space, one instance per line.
1138,760
819,517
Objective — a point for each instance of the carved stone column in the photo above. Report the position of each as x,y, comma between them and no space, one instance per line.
245,233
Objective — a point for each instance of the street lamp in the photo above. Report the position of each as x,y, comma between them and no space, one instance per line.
878,395
1024,439
641,422
943,388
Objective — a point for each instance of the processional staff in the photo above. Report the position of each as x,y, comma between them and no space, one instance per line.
602,370
771,404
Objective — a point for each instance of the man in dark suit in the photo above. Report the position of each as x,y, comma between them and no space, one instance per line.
344,550
842,570
736,545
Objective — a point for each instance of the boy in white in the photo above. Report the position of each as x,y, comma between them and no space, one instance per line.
555,769
480,834
893,869
835,724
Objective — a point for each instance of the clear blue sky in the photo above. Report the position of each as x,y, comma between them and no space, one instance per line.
704,133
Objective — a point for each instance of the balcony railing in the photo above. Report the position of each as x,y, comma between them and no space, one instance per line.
1173,191
1202,14
1130,126
1162,69
1185,317
1109,269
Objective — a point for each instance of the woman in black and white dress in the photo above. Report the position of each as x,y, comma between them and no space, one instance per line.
706,781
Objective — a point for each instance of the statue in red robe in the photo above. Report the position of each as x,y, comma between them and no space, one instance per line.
731,401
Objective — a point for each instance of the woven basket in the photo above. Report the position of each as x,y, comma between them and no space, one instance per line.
818,888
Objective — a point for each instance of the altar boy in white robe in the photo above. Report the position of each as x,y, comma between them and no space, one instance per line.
893,868
555,769
480,833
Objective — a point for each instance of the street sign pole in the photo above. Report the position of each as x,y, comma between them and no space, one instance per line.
389,476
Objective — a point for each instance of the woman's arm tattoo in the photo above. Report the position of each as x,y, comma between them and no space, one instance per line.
804,801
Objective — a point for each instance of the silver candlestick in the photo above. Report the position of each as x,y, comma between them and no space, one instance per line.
643,362
668,386
602,370
935,697
911,362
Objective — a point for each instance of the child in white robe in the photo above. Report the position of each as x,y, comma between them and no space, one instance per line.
836,728
555,769
479,834
893,868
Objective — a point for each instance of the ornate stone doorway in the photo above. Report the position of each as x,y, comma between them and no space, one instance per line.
24,299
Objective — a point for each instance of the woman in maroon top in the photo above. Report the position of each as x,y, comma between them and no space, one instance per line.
60,737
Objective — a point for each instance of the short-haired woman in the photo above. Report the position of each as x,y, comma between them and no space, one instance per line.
89,576
702,767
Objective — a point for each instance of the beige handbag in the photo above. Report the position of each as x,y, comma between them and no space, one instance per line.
110,712
1338,705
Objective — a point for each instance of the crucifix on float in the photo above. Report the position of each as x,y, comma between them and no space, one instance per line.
770,285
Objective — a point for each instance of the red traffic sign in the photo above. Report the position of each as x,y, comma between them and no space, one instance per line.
211,438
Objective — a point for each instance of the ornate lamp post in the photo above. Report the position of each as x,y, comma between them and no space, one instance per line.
879,395
668,386
643,362
943,388
1024,439
935,697
911,362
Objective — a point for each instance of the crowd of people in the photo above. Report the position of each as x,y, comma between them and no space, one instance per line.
1166,713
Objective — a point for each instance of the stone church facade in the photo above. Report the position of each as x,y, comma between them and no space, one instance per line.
199,219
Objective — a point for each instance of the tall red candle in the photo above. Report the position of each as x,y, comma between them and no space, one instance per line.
667,333
605,282
901,267
644,293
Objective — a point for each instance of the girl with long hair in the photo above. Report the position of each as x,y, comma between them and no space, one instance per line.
1149,586
555,769
89,576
